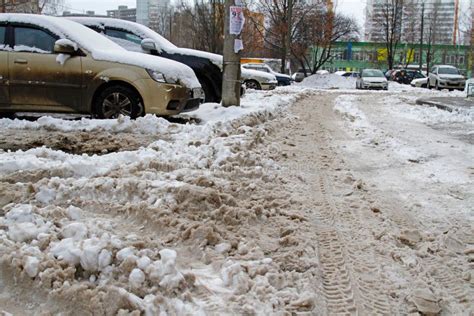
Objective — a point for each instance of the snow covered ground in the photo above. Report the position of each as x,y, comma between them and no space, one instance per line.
227,211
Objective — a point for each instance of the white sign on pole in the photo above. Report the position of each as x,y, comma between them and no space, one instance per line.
236,20
238,45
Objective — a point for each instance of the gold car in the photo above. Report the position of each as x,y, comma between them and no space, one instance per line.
50,64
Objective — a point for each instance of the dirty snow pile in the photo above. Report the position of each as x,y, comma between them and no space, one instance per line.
170,228
328,81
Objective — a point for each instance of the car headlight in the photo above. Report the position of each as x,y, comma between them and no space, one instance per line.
159,77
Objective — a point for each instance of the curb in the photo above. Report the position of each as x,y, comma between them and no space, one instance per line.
434,104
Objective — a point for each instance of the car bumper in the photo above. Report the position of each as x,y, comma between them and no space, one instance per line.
167,99
268,85
452,85
379,86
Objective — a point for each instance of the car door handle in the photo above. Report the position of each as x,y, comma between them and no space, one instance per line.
21,61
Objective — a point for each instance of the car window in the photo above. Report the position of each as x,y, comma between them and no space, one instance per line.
448,71
123,35
263,69
28,39
2,36
372,73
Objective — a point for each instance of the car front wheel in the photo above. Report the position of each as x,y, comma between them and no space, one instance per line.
118,100
252,84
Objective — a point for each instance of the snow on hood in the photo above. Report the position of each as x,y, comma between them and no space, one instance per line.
281,75
250,73
104,49
144,32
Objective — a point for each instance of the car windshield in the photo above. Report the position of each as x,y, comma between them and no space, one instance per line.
448,71
372,73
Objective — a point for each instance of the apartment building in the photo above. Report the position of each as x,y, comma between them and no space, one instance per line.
123,12
438,20
150,12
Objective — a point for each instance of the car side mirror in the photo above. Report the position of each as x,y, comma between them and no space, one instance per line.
148,44
65,46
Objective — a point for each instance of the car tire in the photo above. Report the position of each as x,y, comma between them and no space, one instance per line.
7,115
118,100
209,94
437,86
424,86
252,84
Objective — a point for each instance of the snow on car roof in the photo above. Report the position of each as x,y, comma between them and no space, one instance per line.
101,48
136,28
248,73
145,32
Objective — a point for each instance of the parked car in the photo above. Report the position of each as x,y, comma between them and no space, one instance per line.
139,38
299,75
420,83
446,77
283,80
50,64
349,74
371,79
405,76
258,80
469,88
388,74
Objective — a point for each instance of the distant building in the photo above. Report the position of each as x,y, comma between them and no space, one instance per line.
437,14
124,13
152,12
349,56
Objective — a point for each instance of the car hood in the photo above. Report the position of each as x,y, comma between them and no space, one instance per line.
214,58
169,68
281,75
255,74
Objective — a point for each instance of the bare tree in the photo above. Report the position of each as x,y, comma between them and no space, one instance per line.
432,34
316,35
392,14
51,7
279,27
206,23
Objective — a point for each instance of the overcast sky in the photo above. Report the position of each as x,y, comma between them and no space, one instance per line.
354,8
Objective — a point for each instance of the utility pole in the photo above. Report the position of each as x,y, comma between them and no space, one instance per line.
288,34
421,37
231,83
456,22
2,6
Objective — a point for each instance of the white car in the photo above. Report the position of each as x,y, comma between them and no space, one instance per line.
419,83
446,77
258,80
470,88
283,80
371,79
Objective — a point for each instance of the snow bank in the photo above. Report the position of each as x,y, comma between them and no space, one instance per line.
328,81
150,230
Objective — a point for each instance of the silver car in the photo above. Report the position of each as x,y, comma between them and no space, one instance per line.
371,79
446,77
